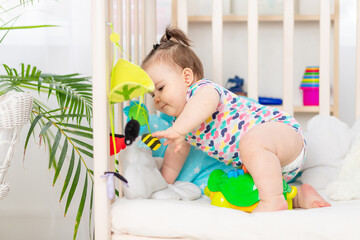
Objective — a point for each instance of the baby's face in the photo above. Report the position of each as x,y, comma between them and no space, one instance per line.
170,88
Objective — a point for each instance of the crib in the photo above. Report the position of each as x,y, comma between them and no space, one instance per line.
141,15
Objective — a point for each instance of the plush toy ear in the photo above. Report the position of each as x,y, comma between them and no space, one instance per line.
132,130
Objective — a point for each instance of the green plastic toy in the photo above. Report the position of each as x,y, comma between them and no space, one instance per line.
236,189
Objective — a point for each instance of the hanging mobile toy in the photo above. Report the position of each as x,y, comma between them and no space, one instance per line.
140,113
110,188
128,81
132,129
152,142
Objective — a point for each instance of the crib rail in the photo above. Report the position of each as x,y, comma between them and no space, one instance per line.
357,101
324,75
288,55
100,62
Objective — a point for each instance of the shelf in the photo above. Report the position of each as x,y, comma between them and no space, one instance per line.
263,18
304,109
310,109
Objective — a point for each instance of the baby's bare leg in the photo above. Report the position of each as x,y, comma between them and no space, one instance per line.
264,150
308,197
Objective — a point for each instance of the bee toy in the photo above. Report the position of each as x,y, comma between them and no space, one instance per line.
152,142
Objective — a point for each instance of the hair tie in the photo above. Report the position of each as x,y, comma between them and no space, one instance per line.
155,46
168,36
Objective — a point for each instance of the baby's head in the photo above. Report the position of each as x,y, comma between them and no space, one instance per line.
174,50
173,67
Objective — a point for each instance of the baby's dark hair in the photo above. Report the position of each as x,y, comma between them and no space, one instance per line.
174,48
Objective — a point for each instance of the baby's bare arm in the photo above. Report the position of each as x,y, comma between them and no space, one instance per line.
173,161
197,110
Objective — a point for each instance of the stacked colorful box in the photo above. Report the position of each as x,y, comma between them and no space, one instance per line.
310,86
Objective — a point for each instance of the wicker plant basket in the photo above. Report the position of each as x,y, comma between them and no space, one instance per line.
15,110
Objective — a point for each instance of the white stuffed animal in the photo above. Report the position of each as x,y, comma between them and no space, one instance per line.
145,180
347,186
328,141
139,168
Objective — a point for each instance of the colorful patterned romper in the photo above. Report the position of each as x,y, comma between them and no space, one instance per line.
220,134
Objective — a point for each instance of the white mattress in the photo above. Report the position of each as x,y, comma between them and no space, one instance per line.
146,218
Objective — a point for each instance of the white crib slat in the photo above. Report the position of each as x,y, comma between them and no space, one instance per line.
357,101
217,34
142,30
111,17
118,21
119,25
150,28
150,40
288,64
324,72
128,29
100,121
136,32
182,21
253,25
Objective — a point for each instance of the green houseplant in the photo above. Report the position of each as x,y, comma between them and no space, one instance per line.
64,129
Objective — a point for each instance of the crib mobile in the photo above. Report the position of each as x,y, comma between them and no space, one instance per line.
128,81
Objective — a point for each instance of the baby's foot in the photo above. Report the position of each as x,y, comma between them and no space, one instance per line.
308,197
275,204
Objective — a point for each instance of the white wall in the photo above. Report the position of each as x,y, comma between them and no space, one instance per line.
61,50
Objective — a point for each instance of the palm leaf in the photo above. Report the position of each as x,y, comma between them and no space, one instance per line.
45,128
55,147
31,129
90,209
27,27
80,133
81,143
70,90
76,126
86,152
68,175
73,186
13,22
61,160
68,116
81,207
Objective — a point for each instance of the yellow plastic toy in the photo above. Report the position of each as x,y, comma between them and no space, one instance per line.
129,81
236,189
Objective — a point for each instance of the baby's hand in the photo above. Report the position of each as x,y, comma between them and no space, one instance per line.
172,137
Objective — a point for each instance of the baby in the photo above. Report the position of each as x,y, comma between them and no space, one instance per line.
232,129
